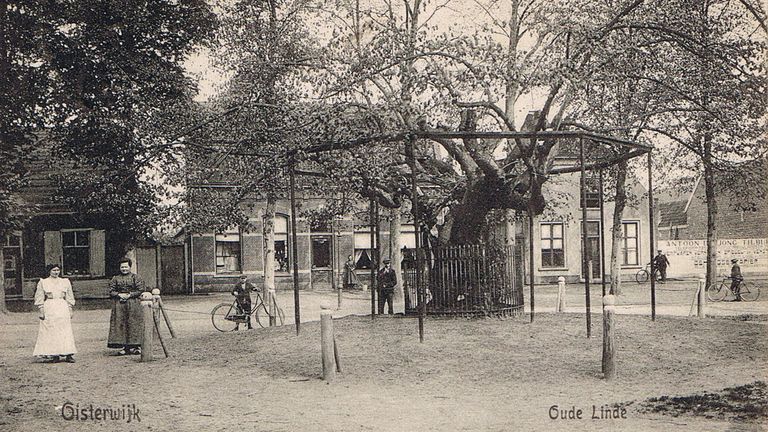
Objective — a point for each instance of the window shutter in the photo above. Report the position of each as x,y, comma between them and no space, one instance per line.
53,251
97,253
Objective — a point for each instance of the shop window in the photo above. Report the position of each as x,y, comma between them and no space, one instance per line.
228,253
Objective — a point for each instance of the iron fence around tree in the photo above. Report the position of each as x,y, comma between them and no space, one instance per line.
468,280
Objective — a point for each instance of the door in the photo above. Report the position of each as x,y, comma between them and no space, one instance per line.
172,265
593,244
12,269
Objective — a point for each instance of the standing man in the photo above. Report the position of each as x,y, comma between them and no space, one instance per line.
736,279
387,280
661,263
242,292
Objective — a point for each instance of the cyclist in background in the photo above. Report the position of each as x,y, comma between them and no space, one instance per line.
736,279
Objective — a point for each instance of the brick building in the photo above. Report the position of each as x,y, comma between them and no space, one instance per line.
742,234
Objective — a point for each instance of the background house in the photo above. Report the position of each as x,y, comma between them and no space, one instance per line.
557,239
86,246
742,234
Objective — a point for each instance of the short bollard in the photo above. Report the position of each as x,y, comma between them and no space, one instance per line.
701,310
560,307
149,326
272,309
609,352
326,342
159,301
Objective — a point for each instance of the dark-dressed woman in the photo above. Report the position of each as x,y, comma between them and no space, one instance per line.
126,324
350,278
55,300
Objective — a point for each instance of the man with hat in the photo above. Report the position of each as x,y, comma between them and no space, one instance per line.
661,262
736,279
387,281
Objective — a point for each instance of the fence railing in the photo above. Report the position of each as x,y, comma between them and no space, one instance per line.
467,280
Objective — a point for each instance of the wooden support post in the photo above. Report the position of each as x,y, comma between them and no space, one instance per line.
585,251
327,342
651,232
609,351
159,300
560,307
295,250
336,355
701,310
156,319
149,327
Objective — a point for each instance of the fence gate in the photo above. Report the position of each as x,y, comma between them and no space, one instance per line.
468,280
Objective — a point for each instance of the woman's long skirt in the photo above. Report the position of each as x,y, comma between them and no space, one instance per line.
54,336
126,324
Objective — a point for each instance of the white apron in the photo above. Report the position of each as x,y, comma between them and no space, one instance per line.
54,336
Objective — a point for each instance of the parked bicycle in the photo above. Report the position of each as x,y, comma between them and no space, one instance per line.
644,274
226,317
718,291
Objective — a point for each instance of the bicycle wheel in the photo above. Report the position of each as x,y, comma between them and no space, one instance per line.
748,292
262,315
716,292
222,317
642,276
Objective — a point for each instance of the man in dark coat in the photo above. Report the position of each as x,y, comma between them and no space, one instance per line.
387,281
242,292
661,263
736,278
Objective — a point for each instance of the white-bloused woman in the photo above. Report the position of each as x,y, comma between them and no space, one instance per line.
55,300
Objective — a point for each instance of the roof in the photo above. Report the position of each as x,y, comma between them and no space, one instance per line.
673,213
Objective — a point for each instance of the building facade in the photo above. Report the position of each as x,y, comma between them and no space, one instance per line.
742,234
557,234
219,258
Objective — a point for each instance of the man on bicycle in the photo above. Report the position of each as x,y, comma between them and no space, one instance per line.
736,279
242,293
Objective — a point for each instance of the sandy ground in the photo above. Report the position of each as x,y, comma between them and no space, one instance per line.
468,375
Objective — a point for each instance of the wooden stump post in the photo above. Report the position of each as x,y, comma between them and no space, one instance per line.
609,351
326,342
156,319
159,301
149,327
560,307
701,310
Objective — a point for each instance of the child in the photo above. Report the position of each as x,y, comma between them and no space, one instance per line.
242,293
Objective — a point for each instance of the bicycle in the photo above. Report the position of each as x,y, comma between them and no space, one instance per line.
644,274
747,291
225,316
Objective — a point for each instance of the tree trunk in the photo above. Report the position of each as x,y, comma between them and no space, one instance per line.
395,246
268,231
617,229
709,185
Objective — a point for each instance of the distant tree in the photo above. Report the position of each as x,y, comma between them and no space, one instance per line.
710,78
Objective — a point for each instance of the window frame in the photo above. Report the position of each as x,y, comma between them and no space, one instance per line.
216,255
286,238
64,248
624,248
551,238
372,251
